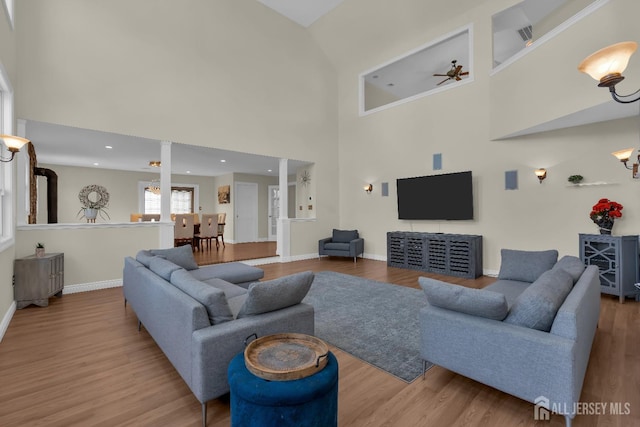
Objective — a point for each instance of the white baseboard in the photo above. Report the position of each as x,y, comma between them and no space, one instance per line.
375,257
6,319
93,286
490,273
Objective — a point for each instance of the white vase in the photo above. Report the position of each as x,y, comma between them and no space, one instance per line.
90,214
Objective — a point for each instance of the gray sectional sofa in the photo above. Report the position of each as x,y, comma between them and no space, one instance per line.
528,334
201,317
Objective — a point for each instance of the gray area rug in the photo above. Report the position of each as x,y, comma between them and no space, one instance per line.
376,322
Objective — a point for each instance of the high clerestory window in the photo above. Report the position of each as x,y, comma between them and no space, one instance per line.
530,23
442,64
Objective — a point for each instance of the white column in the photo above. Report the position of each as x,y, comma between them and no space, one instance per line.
23,194
283,245
166,229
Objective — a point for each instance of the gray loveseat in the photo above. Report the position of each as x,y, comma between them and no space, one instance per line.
528,334
200,318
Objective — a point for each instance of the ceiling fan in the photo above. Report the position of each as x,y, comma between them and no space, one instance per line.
453,73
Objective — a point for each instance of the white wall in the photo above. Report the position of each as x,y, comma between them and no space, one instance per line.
230,74
92,253
459,123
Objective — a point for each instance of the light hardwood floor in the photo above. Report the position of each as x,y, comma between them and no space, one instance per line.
82,362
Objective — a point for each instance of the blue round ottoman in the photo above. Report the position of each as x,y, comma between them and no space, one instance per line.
307,402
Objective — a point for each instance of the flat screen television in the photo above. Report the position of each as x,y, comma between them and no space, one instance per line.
437,197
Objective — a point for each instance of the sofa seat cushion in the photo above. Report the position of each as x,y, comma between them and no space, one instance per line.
476,302
229,289
525,266
163,267
511,289
572,265
212,298
182,256
344,236
537,306
336,246
233,272
272,295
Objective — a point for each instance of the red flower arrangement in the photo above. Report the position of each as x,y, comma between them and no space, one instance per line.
605,212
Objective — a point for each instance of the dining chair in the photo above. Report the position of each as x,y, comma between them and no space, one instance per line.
183,230
222,217
208,230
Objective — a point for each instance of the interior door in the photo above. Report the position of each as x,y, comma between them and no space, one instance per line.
246,212
274,211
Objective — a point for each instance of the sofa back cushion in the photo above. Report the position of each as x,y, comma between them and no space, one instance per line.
162,267
144,257
572,265
212,298
537,306
525,266
272,295
344,236
476,302
181,255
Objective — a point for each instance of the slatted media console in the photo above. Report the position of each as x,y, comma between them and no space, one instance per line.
451,254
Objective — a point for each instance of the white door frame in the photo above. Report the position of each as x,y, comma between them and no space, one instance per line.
272,236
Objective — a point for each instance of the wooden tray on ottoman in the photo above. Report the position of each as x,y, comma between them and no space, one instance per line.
285,357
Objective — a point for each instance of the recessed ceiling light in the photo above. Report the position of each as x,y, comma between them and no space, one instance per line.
223,161
188,171
108,147
96,164
375,76
390,84
155,163
269,170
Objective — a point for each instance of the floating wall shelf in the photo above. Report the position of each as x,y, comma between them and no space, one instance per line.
590,184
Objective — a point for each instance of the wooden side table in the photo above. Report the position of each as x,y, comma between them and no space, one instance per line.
35,279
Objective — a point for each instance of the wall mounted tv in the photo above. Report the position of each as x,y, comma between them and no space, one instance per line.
437,197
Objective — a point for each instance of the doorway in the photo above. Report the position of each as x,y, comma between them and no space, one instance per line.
246,212
274,211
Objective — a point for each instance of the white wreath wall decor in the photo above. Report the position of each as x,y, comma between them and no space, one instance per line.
102,197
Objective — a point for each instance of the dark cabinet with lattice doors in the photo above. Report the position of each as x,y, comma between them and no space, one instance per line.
617,259
451,254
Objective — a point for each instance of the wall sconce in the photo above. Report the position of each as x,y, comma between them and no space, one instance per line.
624,156
14,144
368,188
541,174
607,65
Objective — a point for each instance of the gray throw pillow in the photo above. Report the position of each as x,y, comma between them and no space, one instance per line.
536,307
181,255
344,236
163,267
272,295
476,302
144,257
213,299
572,265
525,266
